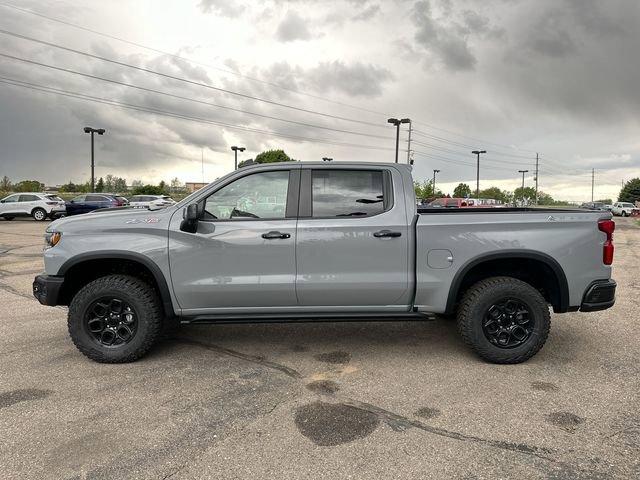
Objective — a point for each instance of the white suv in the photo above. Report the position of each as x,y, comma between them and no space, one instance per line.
38,205
145,201
623,208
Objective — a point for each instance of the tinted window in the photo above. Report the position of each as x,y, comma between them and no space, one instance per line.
347,193
79,198
11,199
96,198
28,198
261,195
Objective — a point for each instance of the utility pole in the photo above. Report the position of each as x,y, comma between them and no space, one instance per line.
433,185
536,178
99,131
593,181
477,153
409,146
396,122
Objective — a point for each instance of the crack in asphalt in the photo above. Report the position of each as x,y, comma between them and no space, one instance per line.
395,421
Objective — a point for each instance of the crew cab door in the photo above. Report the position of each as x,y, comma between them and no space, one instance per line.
353,240
242,256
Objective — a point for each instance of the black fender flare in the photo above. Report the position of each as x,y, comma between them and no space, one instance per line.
161,281
548,260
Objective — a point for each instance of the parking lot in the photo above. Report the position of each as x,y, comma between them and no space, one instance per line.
326,400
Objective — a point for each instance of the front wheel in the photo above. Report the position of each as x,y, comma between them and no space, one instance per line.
504,320
39,214
115,319
625,214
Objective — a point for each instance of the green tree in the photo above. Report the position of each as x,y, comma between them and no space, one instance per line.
147,190
273,156
631,191
525,195
424,190
495,193
176,185
5,184
136,183
545,199
108,183
162,186
119,185
246,163
28,186
462,191
100,185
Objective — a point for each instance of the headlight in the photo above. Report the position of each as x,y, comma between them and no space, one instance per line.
51,239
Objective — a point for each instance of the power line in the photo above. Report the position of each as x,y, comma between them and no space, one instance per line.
466,153
156,111
159,92
186,59
185,80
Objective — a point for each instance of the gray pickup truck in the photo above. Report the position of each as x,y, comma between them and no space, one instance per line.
323,241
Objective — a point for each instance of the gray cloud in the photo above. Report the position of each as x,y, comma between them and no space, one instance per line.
292,27
367,13
443,41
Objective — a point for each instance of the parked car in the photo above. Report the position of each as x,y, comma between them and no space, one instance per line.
450,203
324,240
598,206
89,202
145,201
608,207
38,205
625,209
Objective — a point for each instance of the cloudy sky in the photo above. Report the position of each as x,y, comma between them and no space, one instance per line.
180,81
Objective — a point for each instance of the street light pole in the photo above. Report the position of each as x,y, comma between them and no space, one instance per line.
477,154
396,122
99,131
523,172
235,151
433,185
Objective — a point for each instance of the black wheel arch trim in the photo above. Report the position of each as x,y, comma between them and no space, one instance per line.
548,260
161,281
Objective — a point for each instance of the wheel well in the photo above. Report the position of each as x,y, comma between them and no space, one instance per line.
81,273
537,273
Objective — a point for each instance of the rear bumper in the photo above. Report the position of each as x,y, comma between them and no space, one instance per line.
46,289
600,295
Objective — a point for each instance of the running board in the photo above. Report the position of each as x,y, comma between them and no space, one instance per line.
306,317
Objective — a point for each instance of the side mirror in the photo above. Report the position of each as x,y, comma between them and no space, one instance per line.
190,219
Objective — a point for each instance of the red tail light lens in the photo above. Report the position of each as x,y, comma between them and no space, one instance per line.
607,226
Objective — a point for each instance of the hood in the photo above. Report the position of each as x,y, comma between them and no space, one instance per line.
112,218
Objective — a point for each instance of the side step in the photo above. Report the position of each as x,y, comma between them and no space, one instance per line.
307,317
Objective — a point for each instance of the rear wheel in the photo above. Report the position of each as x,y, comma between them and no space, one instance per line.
39,214
504,320
625,214
115,319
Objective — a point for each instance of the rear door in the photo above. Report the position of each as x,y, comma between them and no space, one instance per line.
26,203
353,240
242,256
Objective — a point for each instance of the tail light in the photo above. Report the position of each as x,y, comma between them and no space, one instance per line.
51,203
607,226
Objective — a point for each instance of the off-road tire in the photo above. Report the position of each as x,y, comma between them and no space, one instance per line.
39,214
475,304
136,293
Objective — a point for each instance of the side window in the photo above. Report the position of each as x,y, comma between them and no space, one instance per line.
95,198
260,195
28,198
79,198
347,193
11,199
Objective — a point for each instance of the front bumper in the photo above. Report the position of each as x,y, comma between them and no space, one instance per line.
600,295
46,289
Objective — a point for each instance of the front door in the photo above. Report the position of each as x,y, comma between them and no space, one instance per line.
243,252
353,246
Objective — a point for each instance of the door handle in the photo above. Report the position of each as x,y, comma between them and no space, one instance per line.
387,234
273,235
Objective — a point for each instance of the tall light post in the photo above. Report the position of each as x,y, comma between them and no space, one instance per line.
523,172
396,122
99,131
235,151
477,154
433,185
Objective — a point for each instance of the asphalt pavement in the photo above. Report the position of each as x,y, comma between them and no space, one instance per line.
313,401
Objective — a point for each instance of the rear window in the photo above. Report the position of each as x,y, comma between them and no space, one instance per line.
121,199
347,193
96,198
55,198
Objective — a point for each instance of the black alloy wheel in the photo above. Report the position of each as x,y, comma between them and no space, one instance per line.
508,323
111,322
